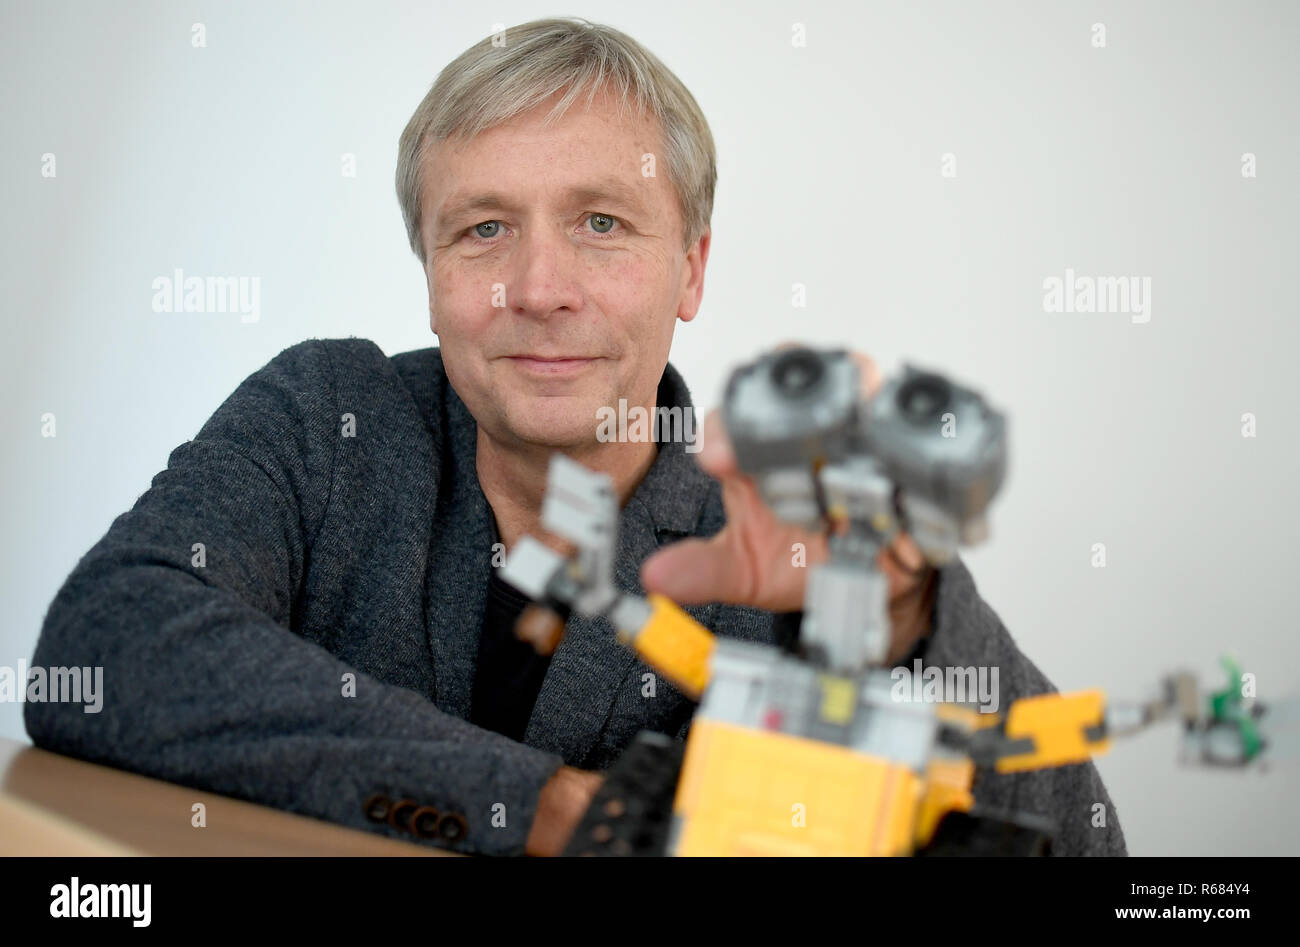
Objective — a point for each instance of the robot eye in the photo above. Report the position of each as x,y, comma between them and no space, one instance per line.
923,398
797,372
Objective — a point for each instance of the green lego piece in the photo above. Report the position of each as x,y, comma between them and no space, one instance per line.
1226,707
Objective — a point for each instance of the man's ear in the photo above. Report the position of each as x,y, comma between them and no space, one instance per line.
693,277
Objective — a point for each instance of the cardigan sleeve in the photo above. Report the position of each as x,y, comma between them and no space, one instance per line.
186,603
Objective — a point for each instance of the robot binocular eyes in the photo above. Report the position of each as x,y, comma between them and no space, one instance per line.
799,424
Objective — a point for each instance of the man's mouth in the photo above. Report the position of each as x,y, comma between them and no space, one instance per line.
546,365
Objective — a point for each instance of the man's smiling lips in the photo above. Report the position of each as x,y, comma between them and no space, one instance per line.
543,365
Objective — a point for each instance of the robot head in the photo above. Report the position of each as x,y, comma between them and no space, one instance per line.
927,451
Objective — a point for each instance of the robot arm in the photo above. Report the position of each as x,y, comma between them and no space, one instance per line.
1057,729
1221,728
580,507
1035,733
1225,727
675,645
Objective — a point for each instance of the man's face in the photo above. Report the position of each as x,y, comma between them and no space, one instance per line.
555,269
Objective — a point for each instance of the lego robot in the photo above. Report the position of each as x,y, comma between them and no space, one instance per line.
803,750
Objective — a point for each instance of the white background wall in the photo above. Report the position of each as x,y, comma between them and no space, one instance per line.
1121,161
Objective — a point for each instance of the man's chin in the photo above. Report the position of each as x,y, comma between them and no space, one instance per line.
554,425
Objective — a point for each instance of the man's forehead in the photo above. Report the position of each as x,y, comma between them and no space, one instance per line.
602,188
484,172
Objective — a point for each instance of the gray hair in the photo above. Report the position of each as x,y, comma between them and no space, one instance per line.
487,85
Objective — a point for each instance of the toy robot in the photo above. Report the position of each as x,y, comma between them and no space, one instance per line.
803,750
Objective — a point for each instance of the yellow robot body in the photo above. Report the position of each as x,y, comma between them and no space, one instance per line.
755,792
785,759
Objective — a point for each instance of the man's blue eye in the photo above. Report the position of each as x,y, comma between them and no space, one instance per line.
487,223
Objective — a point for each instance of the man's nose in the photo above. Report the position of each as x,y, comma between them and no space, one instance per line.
543,272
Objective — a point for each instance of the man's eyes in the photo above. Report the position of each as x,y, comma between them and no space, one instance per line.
488,231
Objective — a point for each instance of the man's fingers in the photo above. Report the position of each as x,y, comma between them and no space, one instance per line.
908,551
694,572
716,457
868,374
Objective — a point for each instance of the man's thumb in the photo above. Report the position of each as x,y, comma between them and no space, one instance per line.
692,572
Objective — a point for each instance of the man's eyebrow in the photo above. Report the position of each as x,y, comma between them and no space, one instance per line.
603,192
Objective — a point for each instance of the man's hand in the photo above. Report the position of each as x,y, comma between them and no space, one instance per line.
564,799
751,561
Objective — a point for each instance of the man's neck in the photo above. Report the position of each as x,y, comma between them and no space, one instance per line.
514,480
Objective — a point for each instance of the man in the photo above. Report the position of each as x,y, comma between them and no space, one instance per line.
303,609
